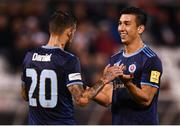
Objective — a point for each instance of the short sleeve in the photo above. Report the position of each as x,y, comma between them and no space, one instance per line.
151,73
73,72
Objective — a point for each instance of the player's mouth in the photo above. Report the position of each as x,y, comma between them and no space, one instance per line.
123,35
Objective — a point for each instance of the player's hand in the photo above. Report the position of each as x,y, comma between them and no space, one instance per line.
84,101
126,78
110,73
86,93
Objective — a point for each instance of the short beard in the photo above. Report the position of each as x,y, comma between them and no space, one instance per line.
67,46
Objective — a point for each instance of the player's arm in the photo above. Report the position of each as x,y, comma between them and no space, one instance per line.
143,95
150,82
23,92
77,94
104,97
23,89
82,96
109,74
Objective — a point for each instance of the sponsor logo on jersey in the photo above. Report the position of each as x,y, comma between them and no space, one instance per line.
155,76
44,58
74,76
118,86
132,68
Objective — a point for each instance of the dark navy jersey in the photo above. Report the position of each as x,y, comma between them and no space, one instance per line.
147,70
47,71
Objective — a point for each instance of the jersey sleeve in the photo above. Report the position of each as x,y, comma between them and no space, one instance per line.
151,73
73,72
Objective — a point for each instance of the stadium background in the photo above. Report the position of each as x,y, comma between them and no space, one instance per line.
23,25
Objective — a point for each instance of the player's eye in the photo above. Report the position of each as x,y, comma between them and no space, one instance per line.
119,23
127,23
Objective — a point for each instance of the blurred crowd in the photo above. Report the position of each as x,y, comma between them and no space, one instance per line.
24,25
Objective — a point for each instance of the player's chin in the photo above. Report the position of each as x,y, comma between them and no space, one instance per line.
124,41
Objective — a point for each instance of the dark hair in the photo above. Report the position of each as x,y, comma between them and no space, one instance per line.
60,21
141,16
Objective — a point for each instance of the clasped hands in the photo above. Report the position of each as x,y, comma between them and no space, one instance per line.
111,72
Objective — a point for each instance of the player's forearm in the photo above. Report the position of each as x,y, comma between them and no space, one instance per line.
102,99
138,95
82,97
90,93
23,93
77,93
93,91
24,97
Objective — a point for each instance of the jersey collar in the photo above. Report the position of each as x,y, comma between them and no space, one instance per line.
138,51
51,47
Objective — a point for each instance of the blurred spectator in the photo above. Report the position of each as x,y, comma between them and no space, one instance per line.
177,25
112,16
84,37
39,9
162,31
80,11
33,30
105,42
14,8
63,6
6,37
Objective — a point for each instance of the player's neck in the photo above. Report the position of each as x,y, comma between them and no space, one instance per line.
57,41
133,47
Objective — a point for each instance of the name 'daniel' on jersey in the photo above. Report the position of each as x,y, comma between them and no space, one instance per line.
44,58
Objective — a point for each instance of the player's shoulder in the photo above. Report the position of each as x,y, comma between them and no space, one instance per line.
58,52
148,52
151,55
67,56
29,52
70,55
117,54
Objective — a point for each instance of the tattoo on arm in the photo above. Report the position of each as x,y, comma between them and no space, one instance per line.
76,91
93,91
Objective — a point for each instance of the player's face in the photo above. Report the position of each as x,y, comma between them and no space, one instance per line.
127,28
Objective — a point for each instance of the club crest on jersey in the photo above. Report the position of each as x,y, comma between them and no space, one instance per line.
132,68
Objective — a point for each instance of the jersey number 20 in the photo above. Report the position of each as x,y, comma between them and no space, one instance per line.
45,74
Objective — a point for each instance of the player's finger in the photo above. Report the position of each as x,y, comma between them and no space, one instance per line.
117,73
106,68
122,67
116,67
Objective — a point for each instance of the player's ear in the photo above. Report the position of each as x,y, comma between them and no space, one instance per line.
141,29
69,32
